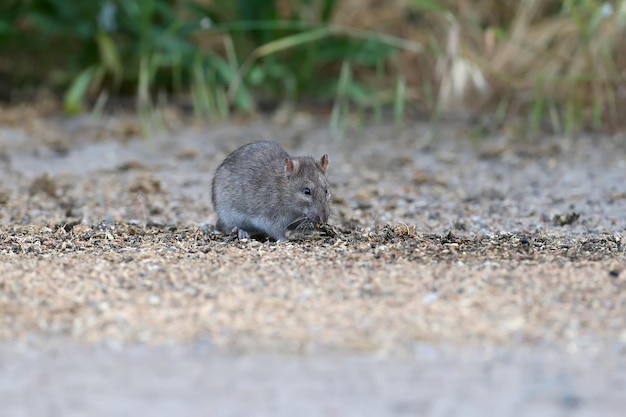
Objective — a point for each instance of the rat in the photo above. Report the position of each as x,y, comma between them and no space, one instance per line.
259,190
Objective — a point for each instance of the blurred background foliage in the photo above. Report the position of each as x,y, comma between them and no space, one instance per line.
553,64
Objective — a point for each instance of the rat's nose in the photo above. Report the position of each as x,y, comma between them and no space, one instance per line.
318,216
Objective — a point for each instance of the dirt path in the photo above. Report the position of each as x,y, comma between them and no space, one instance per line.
499,247
197,381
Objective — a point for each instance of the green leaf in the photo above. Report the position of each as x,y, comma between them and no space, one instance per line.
243,100
292,41
328,10
73,99
224,71
109,56
399,103
594,24
358,93
368,51
257,75
429,5
536,114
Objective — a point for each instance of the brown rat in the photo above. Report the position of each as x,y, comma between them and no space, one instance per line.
260,190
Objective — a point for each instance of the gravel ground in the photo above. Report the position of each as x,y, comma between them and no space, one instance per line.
458,277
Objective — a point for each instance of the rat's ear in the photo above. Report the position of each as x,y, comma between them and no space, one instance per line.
291,166
323,162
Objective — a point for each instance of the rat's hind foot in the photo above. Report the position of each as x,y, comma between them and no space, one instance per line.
242,234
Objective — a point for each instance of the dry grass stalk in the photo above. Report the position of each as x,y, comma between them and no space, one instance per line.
529,50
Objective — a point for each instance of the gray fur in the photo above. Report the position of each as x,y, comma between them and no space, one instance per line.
255,192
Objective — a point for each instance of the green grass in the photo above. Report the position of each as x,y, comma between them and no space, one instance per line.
222,57
554,63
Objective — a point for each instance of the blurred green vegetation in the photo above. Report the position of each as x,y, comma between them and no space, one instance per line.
555,63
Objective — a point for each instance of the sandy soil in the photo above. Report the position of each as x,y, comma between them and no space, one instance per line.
478,245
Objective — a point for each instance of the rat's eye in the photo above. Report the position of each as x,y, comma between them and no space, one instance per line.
307,191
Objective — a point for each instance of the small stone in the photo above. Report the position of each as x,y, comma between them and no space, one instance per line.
190,291
430,298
